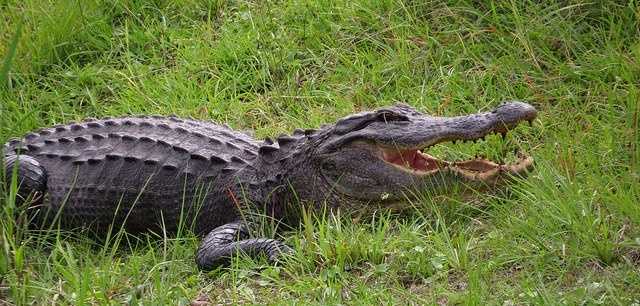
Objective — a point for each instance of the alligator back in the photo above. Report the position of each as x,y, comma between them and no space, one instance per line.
141,171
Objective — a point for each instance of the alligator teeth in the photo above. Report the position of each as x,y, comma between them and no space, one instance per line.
421,164
484,170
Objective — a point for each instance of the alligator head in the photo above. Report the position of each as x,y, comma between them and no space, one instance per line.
382,154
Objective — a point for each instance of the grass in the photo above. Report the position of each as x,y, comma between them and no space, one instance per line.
569,234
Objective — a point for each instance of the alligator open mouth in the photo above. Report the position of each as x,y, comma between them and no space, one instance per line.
422,164
416,162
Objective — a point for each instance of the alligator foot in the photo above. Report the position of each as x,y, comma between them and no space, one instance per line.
225,241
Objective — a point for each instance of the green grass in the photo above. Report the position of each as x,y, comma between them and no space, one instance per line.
569,234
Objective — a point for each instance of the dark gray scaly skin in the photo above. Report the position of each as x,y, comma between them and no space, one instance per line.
144,173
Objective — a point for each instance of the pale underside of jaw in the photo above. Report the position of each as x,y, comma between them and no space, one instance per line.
421,164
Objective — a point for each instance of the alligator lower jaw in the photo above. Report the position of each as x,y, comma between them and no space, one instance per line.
421,164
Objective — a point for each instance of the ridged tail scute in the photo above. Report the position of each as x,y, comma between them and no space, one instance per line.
31,176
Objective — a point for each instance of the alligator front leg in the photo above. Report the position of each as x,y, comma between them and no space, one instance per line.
228,240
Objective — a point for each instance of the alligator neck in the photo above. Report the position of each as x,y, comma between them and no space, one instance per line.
281,176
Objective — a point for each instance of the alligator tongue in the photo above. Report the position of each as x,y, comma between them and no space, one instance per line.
413,159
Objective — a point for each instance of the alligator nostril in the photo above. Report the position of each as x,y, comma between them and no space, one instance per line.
521,110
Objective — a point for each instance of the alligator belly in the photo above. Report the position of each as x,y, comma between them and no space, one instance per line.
137,201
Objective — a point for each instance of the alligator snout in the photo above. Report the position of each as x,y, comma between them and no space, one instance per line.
512,113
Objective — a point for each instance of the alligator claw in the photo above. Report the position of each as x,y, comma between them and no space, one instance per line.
229,240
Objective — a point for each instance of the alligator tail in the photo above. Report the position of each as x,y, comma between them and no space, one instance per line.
31,176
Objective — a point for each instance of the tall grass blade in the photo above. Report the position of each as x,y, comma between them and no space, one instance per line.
8,58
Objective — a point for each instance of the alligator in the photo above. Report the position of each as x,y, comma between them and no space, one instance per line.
149,173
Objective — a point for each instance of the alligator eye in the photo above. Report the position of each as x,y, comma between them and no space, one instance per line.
388,116
360,121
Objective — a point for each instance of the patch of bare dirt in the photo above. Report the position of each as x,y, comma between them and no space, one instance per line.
201,300
633,256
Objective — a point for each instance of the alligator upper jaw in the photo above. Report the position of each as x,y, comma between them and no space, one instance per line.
479,169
